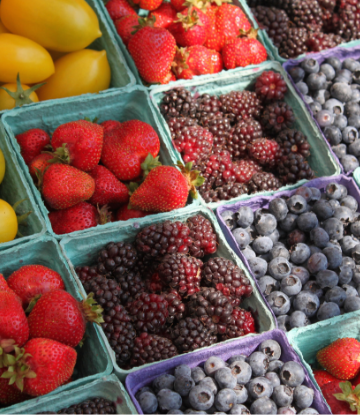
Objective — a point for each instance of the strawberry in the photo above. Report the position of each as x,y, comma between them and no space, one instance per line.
127,148
65,186
79,143
32,143
31,281
341,358
235,54
341,398
153,50
125,27
42,366
110,125
322,377
216,61
215,39
164,15
10,395
166,188
108,189
178,5
124,213
170,77
191,27
4,285
119,8
57,315
148,4
38,165
257,51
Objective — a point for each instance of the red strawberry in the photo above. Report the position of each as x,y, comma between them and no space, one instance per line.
236,53
4,285
109,126
125,27
165,188
108,189
30,281
38,164
341,358
164,15
32,143
215,39
57,315
193,61
257,51
124,213
178,5
148,4
65,186
356,380
79,143
339,395
168,78
10,395
153,50
118,9
44,366
191,28
322,377
127,148
216,61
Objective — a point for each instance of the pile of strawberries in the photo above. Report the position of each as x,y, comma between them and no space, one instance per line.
88,173
40,326
184,38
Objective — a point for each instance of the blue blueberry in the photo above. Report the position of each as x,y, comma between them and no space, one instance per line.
354,121
298,319
350,291
292,374
278,208
165,381
351,304
273,378
225,400
303,396
225,378
328,310
316,81
275,365
334,228
258,267
297,204
349,163
310,66
275,236
244,216
286,410
241,394
334,256
350,202
197,374
336,295
301,273
348,262
345,275
280,251
237,358
279,302
355,254
305,192
241,371
239,409
148,402
356,77
289,223
248,253
340,122
352,65
323,209
348,243
291,285
229,219
260,387
316,194
168,399
175,412
307,302
308,99
271,348
262,245
307,221
142,390
299,253
268,284
201,398
315,107
298,74
182,370
327,279
333,135
350,134
328,71
259,363
334,203
344,73
263,406
241,237
341,91
308,411
283,323
183,384
314,288
279,268
340,150
283,395
317,262
324,118
356,276
213,364
334,62
334,105
333,191
355,94
319,237
265,224
302,87
210,384
352,108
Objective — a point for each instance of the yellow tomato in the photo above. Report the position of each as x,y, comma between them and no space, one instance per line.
2,166
21,55
61,25
2,27
77,73
6,102
8,222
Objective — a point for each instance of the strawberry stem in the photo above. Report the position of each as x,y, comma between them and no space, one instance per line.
92,310
192,176
349,395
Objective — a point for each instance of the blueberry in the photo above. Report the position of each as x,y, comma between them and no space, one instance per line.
213,364
349,162
310,65
334,203
237,358
174,411
262,245
339,150
297,73
355,94
241,371
275,236
265,224
356,276
182,370
355,254
244,216
340,121
259,363
283,395
283,322
252,232
352,108
279,268
168,399
348,262
201,398
291,285
239,410
278,208
328,71
275,366
268,284
324,118
286,410
210,384
333,135
289,223
344,73
302,87
323,209
347,243
298,319
303,396
307,302
314,288
336,295
333,256
241,237
225,378
316,194
142,390
225,400
334,228
319,237
350,202
305,192
280,251
317,262
241,394
197,374
193,411
260,387
292,374
352,304
165,381
183,384
315,107
273,378
307,99
334,62
341,91
333,191
271,348
350,291
248,253
334,105
258,267
316,81
297,204
345,275
307,221
314,249
301,273
279,302
328,310
354,121
321,95
308,411
229,219
148,402
327,279
352,65
350,134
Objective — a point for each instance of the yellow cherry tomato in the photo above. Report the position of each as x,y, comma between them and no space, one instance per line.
62,25
2,27
82,72
6,102
2,166
21,55
8,222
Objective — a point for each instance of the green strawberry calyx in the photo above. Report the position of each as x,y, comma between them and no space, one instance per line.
92,310
349,395
104,214
144,22
6,346
192,176
149,163
180,61
18,369
190,19
21,96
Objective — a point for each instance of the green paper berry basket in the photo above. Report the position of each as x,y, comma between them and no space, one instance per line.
107,387
356,176
83,250
93,359
14,188
322,159
121,105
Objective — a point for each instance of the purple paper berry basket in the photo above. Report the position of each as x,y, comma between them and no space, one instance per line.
143,377
340,53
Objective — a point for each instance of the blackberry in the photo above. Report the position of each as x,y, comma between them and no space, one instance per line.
274,21
220,127
116,259
228,278
91,406
191,334
306,14
86,273
107,292
295,43
247,168
277,117
149,348
244,132
270,86
293,141
131,284
178,102
181,273
321,41
212,307
203,235
349,20
294,167
263,181
208,106
264,151
164,238
175,306
241,323
225,192
240,105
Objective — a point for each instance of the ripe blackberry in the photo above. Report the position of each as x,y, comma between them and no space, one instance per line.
228,278
191,334
164,238
244,132
274,21
149,348
181,273
225,192
212,307
203,235
349,19
120,333
295,43
246,168
178,102
220,127
116,259
320,41
107,292
148,312
270,86
240,105
86,273
264,151
241,323
306,14
91,406
281,4
294,167
208,106
263,181
175,306
277,117
293,141
131,284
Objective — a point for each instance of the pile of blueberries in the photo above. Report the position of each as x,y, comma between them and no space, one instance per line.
304,251
332,91
257,384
